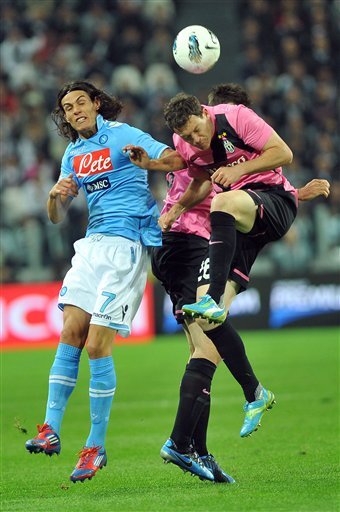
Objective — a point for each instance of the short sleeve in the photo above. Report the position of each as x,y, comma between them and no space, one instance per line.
251,128
153,147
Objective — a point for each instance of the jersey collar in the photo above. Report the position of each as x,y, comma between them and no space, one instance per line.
100,123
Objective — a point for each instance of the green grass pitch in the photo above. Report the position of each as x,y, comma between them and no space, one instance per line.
289,465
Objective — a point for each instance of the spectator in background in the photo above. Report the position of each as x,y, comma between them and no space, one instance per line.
302,103
38,47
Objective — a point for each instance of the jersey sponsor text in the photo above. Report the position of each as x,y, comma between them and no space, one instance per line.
91,163
96,185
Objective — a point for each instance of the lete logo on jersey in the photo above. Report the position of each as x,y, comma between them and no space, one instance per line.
95,162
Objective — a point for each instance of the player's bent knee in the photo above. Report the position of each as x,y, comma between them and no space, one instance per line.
236,202
99,343
98,348
219,202
74,335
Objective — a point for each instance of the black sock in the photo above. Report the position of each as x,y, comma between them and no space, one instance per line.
199,437
221,251
231,348
194,394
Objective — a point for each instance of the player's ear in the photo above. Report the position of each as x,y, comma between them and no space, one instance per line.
97,103
205,112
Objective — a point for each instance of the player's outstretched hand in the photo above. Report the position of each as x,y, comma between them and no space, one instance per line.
66,187
137,155
313,189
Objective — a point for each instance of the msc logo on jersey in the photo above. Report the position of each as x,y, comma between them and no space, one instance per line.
96,185
95,162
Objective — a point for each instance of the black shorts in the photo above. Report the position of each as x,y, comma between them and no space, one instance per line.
276,213
176,264
181,264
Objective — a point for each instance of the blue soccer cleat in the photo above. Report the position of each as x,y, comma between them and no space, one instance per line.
220,476
47,441
206,308
187,461
255,410
90,460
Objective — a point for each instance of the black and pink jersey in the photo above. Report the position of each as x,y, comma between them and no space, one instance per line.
240,135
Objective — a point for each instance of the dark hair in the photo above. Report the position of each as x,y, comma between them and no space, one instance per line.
180,108
228,93
110,107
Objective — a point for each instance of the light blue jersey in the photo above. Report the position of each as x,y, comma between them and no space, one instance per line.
117,192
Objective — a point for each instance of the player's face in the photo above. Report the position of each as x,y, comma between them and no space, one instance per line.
81,112
198,131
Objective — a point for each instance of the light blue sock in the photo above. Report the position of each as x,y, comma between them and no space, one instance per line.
63,378
102,389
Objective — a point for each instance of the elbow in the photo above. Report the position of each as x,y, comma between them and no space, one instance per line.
53,219
288,157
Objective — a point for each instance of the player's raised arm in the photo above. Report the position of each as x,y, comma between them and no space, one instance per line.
60,198
313,189
169,161
275,153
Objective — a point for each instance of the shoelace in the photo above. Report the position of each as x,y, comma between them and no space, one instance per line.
197,458
85,454
43,427
209,461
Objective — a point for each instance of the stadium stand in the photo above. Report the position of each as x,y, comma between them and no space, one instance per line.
125,47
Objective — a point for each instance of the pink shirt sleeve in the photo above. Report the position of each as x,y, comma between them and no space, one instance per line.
252,129
180,146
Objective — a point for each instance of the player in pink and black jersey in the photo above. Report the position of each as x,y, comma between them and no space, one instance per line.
178,260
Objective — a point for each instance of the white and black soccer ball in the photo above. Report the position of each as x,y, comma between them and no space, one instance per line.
196,49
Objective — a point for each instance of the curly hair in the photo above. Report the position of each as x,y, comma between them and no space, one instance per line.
110,107
228,93
180,108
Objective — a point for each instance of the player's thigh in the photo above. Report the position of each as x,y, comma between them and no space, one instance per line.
81,279
230,292
240,205
277,210
177,265
188,337
203,347
100,340
123,273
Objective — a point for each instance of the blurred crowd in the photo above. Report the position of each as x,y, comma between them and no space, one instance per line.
290,66
287,61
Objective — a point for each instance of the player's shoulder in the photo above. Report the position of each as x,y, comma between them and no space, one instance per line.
112,125
71,149
176,139
183,147
124,129
226,108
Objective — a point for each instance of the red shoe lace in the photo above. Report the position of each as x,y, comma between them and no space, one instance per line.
43,427
85,454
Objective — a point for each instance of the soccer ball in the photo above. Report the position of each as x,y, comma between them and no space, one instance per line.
196,49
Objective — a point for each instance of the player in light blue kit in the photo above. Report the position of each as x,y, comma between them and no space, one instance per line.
102,291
